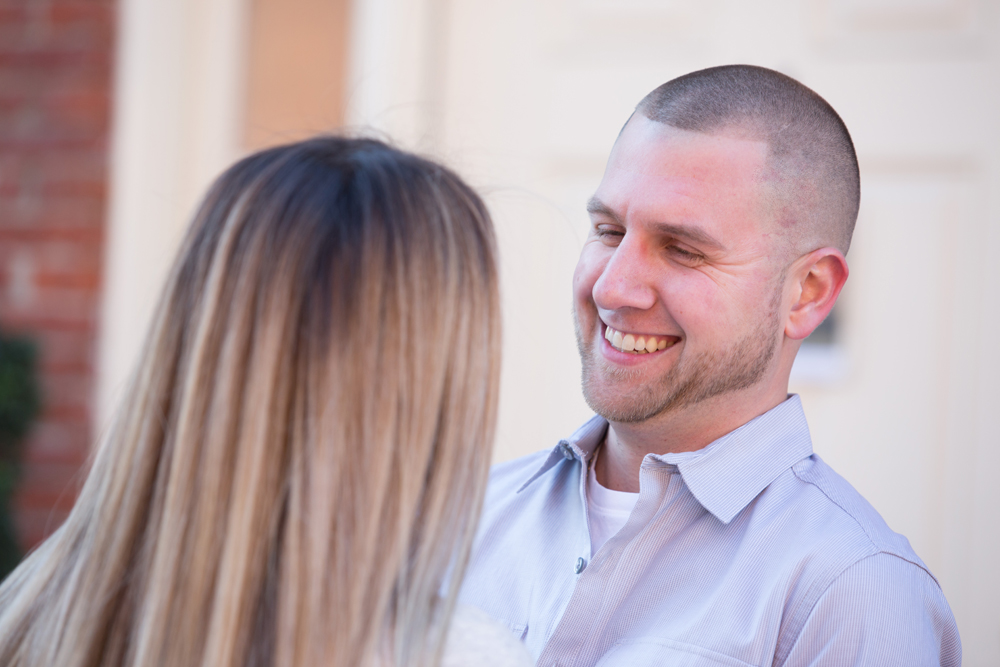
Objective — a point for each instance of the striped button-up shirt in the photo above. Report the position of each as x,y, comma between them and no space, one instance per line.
751,551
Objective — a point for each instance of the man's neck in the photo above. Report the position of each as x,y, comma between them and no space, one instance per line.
685,430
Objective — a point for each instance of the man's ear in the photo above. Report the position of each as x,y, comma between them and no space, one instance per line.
817,279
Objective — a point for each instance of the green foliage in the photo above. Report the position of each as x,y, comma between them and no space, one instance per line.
19,405
19,401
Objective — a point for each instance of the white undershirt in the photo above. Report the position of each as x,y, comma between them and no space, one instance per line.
608,510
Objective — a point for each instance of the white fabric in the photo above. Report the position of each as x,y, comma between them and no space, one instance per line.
607,510
476,640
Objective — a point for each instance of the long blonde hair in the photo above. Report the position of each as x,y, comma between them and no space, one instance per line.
301,459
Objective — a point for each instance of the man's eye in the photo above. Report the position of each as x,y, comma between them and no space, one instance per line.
683,254
609,234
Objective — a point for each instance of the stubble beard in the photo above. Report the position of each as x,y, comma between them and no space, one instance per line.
693,380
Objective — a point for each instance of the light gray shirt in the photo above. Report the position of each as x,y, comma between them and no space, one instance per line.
751,551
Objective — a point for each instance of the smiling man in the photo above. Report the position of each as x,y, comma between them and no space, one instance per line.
689,522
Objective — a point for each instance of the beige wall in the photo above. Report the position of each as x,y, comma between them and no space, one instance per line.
199,83
296,66
176,122
525,98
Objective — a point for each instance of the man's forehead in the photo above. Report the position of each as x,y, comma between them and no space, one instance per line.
672,180
652,162
648,143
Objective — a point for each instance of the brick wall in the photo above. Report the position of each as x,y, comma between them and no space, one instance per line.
55,76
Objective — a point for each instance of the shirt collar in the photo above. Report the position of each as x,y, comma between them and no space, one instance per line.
727,474
578,446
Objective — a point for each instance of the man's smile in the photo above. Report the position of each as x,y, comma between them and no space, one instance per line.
637,343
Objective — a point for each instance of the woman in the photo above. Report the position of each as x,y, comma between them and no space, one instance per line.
301,459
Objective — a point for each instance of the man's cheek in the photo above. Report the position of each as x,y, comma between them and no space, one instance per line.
583,282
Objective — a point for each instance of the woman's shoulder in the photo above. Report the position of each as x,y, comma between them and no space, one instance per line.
476,639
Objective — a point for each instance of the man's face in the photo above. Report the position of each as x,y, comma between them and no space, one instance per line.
681,256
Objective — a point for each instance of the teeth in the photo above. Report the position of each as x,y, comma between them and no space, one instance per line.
636,344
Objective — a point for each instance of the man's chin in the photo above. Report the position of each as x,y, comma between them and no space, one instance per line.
621,399
621,412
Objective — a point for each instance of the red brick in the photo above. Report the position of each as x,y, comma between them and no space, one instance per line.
28,325
68,414
56,266
16,81
55,81
49,172
33,497
56,213
53,37
48,60
25,84
81,113
60,388
52,255
13,13
93,190
61,442
55,256
54,142
66,390
66,351
61,118
34,524
48,483
26,129
51,305
91,234
77,281
33,82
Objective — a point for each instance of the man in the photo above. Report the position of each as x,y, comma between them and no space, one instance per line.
690,523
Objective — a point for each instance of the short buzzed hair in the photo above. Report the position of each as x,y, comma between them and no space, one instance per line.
813,169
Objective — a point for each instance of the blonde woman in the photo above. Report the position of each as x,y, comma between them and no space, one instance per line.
300,462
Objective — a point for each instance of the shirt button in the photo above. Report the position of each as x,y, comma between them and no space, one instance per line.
580,564
567,451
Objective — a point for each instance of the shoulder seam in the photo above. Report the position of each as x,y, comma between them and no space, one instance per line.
838,505
833,580
877,548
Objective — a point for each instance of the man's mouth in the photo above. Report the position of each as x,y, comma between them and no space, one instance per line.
638,343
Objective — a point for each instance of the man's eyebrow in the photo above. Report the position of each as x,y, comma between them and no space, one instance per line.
694,234
595,205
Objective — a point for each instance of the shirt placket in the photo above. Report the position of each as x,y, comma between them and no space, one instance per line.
581,636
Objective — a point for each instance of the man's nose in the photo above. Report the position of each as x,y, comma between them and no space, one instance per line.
627,280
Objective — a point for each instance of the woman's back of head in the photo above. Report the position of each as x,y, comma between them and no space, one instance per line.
302,454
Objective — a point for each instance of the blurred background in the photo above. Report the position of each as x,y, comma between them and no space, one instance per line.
116,115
